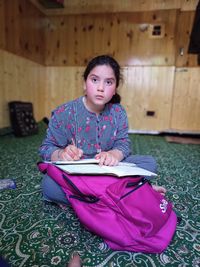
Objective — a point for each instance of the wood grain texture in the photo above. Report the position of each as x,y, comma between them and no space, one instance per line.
144,89
2,24
48,53
184,26
20,79
73,40
62,85
23,30
113,6
186,100
148,89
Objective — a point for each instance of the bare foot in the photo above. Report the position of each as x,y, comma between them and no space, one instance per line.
75,260
160,189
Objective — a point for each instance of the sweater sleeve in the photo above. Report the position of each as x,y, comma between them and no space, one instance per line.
122,141
57,135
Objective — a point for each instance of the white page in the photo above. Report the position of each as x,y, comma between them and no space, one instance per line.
76,162
119,170
84,161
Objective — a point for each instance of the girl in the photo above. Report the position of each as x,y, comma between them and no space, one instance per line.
93,126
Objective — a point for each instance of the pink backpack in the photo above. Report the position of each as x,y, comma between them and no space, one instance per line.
126,212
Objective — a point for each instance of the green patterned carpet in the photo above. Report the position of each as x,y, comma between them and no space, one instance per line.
35,234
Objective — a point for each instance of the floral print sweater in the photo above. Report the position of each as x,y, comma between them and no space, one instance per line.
92,133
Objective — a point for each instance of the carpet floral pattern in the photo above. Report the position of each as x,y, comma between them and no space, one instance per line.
38,234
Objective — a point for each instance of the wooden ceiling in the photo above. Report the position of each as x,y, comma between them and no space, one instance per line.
112,6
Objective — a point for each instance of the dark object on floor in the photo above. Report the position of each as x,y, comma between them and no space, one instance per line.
3,263
46,120
183,140
22,118
7,184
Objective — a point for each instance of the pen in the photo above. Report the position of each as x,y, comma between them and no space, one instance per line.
73,142
78,152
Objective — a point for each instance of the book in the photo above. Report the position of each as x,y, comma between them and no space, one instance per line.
74,162
84,161
91,167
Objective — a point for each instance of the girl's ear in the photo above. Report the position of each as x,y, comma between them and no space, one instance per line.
84,87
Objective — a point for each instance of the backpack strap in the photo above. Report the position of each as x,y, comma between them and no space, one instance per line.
80,196
130,184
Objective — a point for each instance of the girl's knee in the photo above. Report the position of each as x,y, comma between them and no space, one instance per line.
48,186
144,161
151,160
52,191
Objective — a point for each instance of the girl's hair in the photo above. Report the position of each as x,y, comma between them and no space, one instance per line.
105,60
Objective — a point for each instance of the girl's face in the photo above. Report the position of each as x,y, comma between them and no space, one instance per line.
100,86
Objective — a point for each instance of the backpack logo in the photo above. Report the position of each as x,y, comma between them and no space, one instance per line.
163,205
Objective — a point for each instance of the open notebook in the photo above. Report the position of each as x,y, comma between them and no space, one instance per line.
91,167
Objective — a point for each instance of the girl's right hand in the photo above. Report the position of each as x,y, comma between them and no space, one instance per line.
71,152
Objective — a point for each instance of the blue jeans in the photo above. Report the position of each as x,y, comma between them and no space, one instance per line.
53,192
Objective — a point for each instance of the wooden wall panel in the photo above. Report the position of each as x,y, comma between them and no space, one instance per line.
24,31
112,6
12,22
63,84
148,89
20,79
188,5
73,40
144,89
2,24
65,43
184,26
186,100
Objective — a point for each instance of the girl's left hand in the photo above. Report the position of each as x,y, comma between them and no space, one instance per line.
107,158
